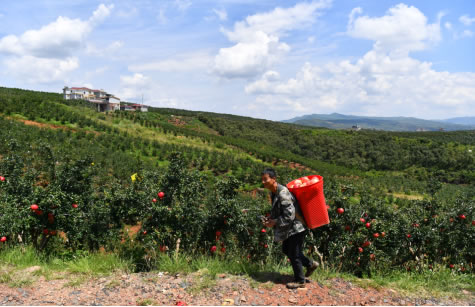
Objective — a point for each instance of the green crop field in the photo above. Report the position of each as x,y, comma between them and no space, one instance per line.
74,180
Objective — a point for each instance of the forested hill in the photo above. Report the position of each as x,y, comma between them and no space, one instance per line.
124,141
340,121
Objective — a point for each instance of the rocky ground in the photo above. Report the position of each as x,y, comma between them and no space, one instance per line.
198,289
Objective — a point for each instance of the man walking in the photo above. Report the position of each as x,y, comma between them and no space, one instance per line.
289,227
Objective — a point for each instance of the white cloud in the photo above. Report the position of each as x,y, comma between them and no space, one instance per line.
136,80
376,83
92,49
247,59
179,63
47,54
96,72
222,14
463,34
128,13
257,39
467,33
383,82
58,39
40,70
169,7
133,87
448,25
403,29
162,17
136,85
353,13
466,20
182,5
101,13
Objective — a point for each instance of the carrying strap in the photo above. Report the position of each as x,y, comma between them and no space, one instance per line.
298,211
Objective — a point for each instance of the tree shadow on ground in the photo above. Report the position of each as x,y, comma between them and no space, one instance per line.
274,277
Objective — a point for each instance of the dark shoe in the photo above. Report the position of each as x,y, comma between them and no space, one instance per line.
295,285
311,269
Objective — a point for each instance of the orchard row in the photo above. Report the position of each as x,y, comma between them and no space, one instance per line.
195,215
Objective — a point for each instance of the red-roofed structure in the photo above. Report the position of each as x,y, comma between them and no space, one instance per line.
103,100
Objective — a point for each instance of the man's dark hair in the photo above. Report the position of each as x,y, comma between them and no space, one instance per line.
269,171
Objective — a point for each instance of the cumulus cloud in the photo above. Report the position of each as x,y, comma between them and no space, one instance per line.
47,54
184,62
92,49
466,20
40,70
382,82
257,39
58,39
247,59
403,29
136,85
132,87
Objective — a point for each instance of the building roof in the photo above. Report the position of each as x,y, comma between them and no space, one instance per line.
86,88
81,88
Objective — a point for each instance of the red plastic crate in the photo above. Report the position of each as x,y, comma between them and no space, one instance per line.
312,202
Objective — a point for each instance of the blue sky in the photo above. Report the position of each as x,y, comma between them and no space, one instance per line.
265,59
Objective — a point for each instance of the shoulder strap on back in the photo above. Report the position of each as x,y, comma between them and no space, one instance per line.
298,211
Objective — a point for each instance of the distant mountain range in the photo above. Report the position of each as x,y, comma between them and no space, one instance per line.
469,121
341,121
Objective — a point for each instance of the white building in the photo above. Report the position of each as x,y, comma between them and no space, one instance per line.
103,100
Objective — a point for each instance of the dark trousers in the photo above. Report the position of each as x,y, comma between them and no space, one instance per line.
292,247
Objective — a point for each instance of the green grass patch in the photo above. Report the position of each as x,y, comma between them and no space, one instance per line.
146,302
193,263
5,277
437,283
14,263
92,264
97,264
21,282
21,257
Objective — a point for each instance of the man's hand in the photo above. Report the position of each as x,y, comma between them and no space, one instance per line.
270,223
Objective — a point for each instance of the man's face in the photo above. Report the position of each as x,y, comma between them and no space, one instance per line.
267,181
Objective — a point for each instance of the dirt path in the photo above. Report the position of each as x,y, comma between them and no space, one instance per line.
196,289
47,126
